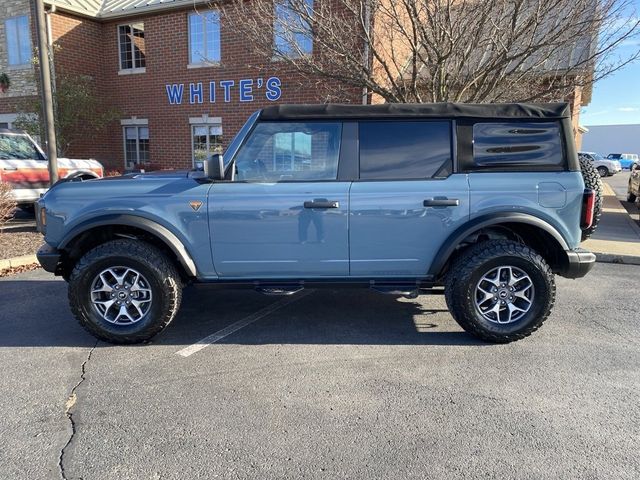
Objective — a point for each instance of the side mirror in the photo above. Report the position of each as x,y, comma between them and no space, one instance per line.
214,167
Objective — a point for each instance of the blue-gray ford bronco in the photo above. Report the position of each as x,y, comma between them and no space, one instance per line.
483,203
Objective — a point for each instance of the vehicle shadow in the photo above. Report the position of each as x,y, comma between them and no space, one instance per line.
35,313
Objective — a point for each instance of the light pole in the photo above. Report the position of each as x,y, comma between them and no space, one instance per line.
45,89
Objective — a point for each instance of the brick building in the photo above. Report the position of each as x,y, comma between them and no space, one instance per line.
176,73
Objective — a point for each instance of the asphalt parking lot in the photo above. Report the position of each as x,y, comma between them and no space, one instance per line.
337,384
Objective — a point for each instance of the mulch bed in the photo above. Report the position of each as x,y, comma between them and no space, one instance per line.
25,268
17,244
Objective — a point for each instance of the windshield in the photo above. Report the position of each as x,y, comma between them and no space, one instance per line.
17,147
597,156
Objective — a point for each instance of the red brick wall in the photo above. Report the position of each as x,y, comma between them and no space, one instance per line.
89,47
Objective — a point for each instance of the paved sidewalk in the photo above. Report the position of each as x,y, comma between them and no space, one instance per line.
617,238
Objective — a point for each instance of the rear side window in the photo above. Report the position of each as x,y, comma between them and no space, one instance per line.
517,144
404,150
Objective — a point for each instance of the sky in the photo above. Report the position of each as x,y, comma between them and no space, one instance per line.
616,99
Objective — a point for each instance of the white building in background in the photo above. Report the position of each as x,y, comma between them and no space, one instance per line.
605,139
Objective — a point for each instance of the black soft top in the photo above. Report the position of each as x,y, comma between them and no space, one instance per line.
403,110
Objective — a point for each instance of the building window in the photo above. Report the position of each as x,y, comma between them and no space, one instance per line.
136,146
18,41
132,49
292,28
207,140
204,38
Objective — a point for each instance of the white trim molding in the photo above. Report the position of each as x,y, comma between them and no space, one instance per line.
205,120
134,121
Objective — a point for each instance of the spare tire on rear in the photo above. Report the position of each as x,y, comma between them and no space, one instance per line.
592,180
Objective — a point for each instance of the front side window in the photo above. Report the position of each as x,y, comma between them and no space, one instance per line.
132,48
207,140
288,151
292,29
204,37
136,146
18,147
18,41
405,150
517,144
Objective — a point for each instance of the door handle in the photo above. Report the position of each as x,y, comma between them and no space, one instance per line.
441,202
322,204
10,169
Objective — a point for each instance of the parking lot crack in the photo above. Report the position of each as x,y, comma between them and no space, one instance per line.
69,408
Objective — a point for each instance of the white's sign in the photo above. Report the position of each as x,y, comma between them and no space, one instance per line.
226,91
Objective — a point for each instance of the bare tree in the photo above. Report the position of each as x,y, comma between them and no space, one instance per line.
441,50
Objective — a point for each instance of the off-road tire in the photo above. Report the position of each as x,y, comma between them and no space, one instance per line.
478,260
631,198
161,273
593,181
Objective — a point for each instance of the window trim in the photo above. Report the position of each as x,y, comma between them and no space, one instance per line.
452,148
134,69
27,64
204,63
136,123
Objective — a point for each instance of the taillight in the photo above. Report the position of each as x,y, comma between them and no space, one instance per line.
588,206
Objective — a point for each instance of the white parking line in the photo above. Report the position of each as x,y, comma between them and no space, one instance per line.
234,327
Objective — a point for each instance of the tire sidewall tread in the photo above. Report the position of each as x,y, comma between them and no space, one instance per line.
152,263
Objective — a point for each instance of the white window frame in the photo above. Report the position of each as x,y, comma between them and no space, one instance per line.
137,123
27,64
203,121
129,71
204,63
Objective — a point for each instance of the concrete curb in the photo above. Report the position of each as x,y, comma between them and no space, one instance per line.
17,262
617,258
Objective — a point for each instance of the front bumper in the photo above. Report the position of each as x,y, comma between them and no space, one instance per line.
48,257
579,264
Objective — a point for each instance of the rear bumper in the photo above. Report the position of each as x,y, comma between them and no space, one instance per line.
580,261
48,257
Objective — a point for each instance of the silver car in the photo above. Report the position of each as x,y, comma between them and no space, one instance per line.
606,167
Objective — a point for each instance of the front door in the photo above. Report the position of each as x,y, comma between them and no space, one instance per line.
286,213
407,201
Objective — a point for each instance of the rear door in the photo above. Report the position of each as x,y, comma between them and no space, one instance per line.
407,200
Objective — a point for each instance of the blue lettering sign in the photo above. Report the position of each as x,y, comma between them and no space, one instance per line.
273,89
246,89
174,92
226,86
195,91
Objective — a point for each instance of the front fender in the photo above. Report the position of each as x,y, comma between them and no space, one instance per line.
150,226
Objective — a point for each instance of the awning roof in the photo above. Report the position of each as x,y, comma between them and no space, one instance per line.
105,9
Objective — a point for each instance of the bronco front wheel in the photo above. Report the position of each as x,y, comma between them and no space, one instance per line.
500,291
124,291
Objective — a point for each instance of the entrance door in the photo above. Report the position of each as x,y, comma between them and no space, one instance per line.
285,214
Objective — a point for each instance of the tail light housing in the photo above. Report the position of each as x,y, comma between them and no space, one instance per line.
588,207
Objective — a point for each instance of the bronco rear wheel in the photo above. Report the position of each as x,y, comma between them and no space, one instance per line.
124,291
500,291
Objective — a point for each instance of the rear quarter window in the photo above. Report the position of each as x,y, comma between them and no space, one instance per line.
518,145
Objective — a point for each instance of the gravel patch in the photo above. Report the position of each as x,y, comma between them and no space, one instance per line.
16,244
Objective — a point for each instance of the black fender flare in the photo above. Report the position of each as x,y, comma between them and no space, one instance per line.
449,246
154,228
